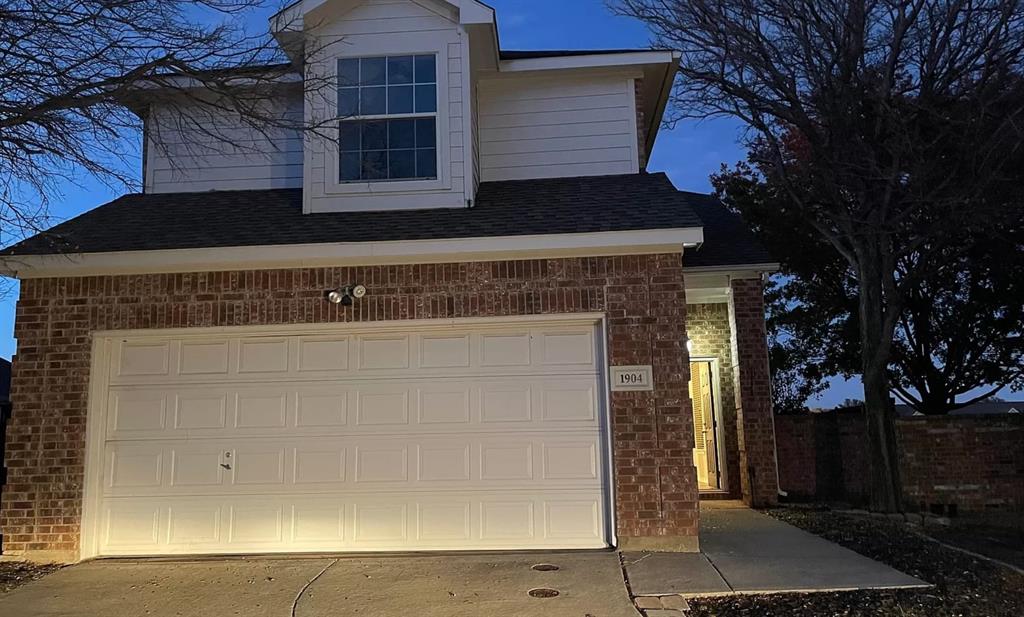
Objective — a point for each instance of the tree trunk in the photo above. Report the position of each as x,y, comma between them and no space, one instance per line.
876,345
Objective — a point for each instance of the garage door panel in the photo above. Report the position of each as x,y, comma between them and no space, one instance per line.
378,522
195,526
323,354
196,466
567,348
446,438
261,408
355,464
489,351
421,406
319,522
445,351
383,352
136,414
135,468
143,359
204,358
253,524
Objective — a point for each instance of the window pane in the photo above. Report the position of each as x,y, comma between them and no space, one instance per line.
373,101
426,133
400,70
403,163
426,99
373,71
375,135
399,99
401,134
349,136
350,166
348,102
426,69
426,163
348,72
375,165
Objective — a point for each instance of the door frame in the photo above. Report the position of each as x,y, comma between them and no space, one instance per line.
716,404
99,381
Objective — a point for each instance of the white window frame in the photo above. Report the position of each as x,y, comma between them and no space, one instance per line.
334,183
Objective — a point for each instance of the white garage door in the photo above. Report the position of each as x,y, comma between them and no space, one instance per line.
448,436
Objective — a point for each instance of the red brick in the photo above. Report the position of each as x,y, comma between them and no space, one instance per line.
643,297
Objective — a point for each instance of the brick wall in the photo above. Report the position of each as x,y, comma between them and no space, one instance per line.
797,449
707,325
642,296
972,463
755,424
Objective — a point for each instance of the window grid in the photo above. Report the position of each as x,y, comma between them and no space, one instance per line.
388,106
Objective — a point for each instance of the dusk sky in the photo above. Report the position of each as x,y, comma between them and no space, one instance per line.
689,153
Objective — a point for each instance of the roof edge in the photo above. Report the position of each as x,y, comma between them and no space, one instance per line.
165,261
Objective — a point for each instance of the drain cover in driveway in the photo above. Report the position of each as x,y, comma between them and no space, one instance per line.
545,567
543,592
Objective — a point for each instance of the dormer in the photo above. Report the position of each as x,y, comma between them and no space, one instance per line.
395,122
412,104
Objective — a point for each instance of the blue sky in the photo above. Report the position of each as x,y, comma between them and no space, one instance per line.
689,153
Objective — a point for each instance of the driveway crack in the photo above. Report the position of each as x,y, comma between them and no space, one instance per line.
309,583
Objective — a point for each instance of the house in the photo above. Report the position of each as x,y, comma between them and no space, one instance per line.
981,408
485,335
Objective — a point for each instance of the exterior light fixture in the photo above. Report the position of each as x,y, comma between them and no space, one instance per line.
689,345
346,295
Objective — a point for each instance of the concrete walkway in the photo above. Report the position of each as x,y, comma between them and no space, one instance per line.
746,552
588,583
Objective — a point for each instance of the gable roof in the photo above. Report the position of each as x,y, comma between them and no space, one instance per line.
159,221
728,241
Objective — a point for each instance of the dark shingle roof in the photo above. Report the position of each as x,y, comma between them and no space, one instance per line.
728,241
558,53
522,207
274,217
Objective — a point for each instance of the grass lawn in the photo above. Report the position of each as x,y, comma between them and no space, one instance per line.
964,586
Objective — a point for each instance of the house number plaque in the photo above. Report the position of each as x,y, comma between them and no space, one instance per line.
632,378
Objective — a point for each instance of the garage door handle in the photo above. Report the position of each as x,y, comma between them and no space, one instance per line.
226,466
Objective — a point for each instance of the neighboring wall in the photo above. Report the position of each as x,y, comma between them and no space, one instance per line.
563,124
947,463
192,147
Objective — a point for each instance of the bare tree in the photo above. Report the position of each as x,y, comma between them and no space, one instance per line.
908,114
77,78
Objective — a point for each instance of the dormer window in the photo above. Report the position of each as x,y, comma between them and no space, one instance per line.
387,107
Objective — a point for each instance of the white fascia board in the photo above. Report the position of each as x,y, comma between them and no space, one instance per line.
638,58
736,271
641,242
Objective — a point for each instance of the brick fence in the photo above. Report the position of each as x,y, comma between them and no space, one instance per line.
948,464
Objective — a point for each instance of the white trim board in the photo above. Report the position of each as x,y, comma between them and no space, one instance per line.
497,248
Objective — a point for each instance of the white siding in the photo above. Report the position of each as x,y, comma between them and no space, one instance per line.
382,27
209,150
546,127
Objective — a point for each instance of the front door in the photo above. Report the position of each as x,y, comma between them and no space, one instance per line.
705,453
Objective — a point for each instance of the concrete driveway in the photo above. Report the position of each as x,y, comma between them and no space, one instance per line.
746,552
588,584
